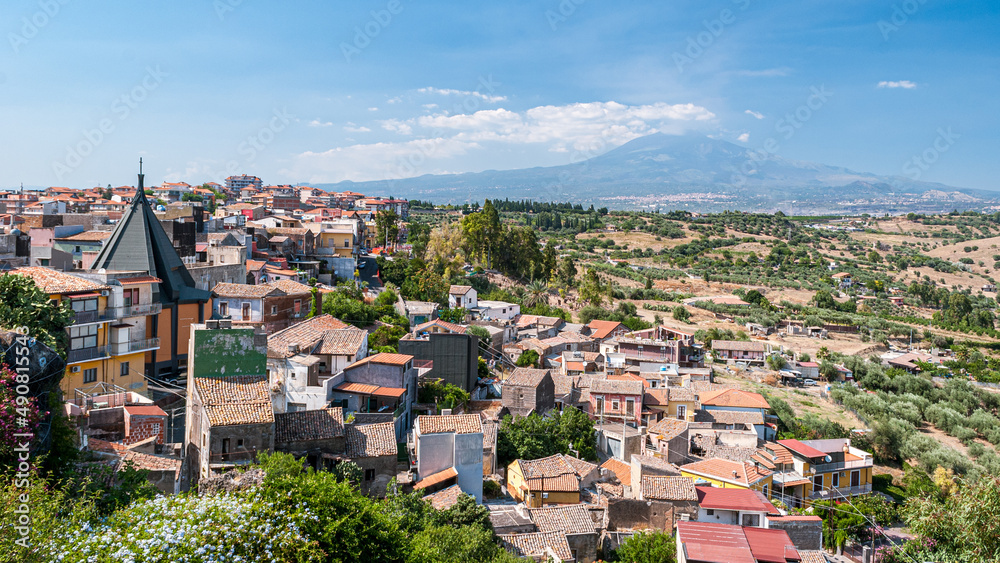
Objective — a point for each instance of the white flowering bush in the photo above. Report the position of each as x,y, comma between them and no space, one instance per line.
191,529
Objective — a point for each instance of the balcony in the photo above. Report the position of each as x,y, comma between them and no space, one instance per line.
841,492
87,354
137,310
133,346
84,317
841,465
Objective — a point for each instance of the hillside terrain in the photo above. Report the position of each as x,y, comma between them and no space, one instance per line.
691,172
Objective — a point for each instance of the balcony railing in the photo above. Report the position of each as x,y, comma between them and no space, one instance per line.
838,465
841,492
132,346
83,317
137,310
86,354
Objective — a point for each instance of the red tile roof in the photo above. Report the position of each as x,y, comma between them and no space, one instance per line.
744,473
437,478
621,470
599,330
733,398
707,542
445,498
139,280
144,410
383,358
771,546
801,449
732,499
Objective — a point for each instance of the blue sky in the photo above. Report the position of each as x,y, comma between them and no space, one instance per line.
327,91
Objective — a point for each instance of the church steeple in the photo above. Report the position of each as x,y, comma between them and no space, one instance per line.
140,191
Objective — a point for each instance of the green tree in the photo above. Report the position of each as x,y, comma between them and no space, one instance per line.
680,313
535,293
776,362
528,358
24,304
647,547
567,271
349,472
386,227
456,315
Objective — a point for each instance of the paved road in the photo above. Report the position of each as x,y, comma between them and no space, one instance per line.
369,272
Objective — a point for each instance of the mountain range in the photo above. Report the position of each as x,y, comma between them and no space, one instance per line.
690,172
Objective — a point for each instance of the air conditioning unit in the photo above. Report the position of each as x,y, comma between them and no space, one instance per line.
104,293
74,369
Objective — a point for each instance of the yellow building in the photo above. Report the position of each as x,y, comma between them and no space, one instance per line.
334,239
729,475
834,469
107,338
540,482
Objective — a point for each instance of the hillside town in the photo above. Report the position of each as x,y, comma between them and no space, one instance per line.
202,340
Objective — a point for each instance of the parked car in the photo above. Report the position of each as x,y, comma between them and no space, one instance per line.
809,382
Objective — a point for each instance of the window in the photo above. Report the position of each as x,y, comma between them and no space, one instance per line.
818,483
223,308
369,474
83,336
131,296
297,306
90,375
239,443
682,412
836,479
856,478
710,512
274,309
246,311
765,490
751,520
225,445
124,371
616,405
84,304
629,407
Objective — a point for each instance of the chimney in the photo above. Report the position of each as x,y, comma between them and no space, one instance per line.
293,348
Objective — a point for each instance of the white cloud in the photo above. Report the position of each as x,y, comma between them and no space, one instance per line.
372,109
352,128
377,161
756,114
430,106
905,84
585,129
395,100
397,126
318,123
743,138
450,92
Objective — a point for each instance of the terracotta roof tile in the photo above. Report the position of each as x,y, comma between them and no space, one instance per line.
716,416
303,426
668,427
445,498
599,330
450,327
582,468
371,440
621,470
733,398
459,289
657,487
743,473
568,519
435,479
537,545
88,236
243,290
458,423
383,358
526,377
242,399
551,473
55,282
290,287
306,334
616,387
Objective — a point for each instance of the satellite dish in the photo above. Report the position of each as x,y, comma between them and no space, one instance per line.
828,459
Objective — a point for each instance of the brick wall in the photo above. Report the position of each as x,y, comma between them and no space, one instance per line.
138,428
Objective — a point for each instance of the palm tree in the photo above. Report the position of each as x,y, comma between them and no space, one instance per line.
535,293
